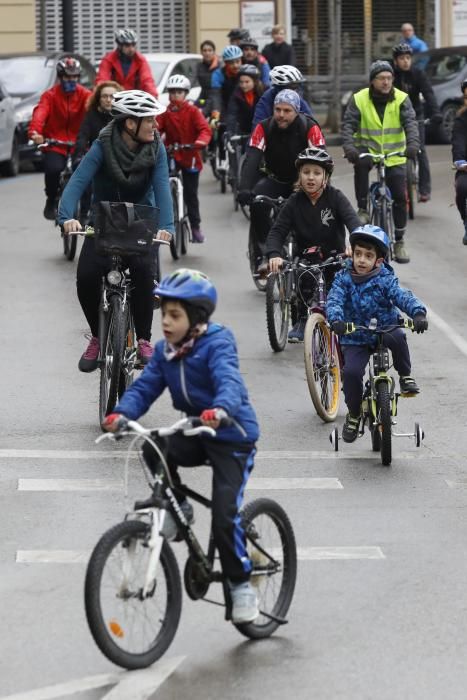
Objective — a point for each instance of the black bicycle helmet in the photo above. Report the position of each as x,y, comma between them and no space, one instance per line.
126,36
250,70
401,50
315,155
238,33
68,66
248,41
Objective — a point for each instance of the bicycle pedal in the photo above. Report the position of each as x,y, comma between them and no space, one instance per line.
408,396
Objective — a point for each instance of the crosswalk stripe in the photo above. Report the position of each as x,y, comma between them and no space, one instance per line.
293,483
69,485
64,556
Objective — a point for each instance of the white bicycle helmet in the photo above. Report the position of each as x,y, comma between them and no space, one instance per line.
135,103
126,36
178,82
285,75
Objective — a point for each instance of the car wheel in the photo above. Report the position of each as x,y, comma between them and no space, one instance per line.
10,168
449,112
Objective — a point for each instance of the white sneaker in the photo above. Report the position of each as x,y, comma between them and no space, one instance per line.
169,528
244,602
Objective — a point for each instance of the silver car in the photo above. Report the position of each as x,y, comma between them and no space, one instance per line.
9,155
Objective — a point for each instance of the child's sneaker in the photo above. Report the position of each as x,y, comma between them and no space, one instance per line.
169,528
197,235
350,429
244,602
297,333
408,386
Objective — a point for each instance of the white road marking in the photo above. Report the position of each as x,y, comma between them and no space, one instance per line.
456,484
69,485
137,685
140,685
61,454
288,484
52,556
319,553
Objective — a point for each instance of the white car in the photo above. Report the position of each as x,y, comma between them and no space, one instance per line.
9,155
163,65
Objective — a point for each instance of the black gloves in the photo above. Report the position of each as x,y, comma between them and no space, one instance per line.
420,324
352,154
412,152
244,197
366,161
339,327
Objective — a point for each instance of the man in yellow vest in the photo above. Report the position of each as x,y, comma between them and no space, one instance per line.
381,119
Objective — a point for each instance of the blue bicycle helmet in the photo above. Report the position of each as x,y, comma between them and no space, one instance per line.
231,53
372,234
191,287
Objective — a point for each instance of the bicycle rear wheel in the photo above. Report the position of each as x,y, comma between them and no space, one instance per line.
383,410
131,631
112,344
322,367
273,552
411,187
175,242
277,311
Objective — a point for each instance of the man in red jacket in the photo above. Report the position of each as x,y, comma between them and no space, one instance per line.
58,115
184,124
126,65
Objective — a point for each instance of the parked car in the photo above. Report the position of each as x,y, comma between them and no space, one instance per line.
9,155
163,65
26,76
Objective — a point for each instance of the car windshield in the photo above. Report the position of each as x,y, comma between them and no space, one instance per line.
441,67
24,75
158,69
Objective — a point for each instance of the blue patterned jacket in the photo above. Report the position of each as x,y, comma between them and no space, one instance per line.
380,297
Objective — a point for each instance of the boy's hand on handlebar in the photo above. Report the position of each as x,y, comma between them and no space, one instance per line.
339,327
275,264
37,138
352,154
420,323
212,417
412,152
163,235
114,422
72,226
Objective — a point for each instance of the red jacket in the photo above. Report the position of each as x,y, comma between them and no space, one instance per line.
139,77
185,124
59,114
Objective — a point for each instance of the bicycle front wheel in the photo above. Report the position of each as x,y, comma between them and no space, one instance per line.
129,355
131,629
277,311
112,344
411,187
322,367
175,241
383,409
273,553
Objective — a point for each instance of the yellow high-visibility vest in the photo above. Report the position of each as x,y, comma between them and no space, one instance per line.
376,137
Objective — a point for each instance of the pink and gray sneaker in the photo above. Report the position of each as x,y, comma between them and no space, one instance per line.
144,352
88,360
197,235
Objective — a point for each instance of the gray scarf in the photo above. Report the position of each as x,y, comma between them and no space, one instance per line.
128,168
359,279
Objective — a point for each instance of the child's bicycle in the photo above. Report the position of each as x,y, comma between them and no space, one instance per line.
133,589
379,402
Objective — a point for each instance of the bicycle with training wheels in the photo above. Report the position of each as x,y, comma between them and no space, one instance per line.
380,197
380,399
133,588
179,242
256,249
236,156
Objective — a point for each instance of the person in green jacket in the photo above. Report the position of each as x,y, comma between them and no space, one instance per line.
381,119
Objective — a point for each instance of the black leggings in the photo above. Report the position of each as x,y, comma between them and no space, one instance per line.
190,195
261,213
396,179
92,267
461,193
231,464
53,166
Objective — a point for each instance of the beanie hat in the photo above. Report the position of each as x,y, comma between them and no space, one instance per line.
380,67
289,97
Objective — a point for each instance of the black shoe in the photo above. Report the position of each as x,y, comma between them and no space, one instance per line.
408,386
50,212
350,429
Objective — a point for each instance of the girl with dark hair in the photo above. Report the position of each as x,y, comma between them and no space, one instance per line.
204,72
97,116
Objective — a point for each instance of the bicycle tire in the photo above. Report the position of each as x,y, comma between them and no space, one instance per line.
383,410
129,355
253,256
322,367
223,181
175,240
276,303
112,344
108,632
274,596
185,237
411,188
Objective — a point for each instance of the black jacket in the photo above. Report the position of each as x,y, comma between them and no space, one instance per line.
459,137
240,113
204,72
279,54
91,125
414,82
320,224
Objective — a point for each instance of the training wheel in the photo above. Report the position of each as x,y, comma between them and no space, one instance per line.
419,435
334,439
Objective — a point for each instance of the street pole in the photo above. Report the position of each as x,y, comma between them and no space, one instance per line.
335,14
67,23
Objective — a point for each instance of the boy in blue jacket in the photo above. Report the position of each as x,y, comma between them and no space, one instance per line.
198,362
367,288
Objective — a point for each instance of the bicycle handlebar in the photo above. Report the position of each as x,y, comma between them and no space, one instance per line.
191,426
55,142
182,147
403,323
89,231
383,156
275,202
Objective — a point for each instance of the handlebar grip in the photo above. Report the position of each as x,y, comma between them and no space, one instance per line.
350,328
225,422
407,323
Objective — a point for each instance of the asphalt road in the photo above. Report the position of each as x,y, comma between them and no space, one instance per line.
386,623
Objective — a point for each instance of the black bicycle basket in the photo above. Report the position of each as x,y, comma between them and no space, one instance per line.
124,228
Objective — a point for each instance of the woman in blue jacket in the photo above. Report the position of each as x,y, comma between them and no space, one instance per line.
126,163
198,363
